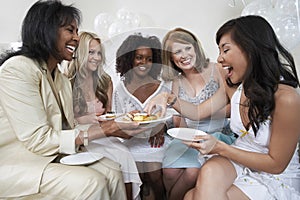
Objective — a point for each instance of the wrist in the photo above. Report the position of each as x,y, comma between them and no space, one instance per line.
172,98
219,147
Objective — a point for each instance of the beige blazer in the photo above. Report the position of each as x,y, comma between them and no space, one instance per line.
31,112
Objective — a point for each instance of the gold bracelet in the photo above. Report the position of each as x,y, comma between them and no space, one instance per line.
85,138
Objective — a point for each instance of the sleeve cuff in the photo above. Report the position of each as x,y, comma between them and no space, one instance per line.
67,141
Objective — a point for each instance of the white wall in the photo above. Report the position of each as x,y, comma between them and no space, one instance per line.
202,17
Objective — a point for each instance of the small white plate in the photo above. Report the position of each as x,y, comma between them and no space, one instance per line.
83,158
187,134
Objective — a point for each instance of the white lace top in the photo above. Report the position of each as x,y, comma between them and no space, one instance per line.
124,101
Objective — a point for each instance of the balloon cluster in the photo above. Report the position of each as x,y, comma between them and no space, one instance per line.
283,15
107,25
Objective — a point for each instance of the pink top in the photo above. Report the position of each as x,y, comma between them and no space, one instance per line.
95,106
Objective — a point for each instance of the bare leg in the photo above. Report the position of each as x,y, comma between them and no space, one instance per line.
128,187
189,195
234,193
145,190
215,178
170,177
144,187
151,175
179,181
156,183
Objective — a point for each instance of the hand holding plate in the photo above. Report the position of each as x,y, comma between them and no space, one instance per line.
204,144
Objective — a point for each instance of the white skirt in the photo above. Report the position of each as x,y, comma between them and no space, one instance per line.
142,151
264,186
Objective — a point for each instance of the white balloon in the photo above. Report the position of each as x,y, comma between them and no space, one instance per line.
128,17
287,30
123,14
117,27
258,7
281,17
135,21
286,7
101,24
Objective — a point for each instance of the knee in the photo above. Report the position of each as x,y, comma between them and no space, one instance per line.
109,168
206,172
170,174
95,180
91,183
190,175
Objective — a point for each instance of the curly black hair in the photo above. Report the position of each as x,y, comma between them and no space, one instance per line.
126,53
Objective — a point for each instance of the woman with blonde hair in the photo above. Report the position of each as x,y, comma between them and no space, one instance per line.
92,86
195,79
92,94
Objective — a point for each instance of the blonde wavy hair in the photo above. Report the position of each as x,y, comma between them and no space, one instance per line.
77,72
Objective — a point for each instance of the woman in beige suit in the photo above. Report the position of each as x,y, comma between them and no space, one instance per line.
37,120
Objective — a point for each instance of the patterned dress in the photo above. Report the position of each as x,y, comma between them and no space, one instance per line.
179,155
261,185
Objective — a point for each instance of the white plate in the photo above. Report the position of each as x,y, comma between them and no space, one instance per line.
148,124
83,158
108,116
187,134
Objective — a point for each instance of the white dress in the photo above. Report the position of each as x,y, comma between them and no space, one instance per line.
261,185
123,102
112,148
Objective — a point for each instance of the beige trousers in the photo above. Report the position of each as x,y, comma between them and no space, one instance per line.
100,180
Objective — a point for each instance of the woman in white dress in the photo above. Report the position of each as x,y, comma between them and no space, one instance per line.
263,162
139,64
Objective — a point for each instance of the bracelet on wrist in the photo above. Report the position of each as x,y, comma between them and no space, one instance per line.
85,138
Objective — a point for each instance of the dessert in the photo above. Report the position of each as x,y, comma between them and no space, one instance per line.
110,115
140,117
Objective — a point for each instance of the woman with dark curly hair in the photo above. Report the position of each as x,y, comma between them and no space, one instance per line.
139,63
263,162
